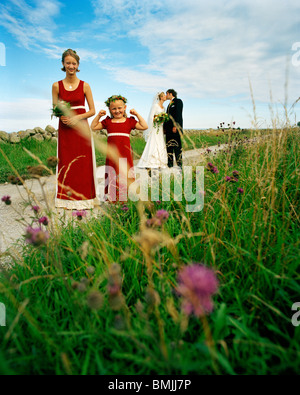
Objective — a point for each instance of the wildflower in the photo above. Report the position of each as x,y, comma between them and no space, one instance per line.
240,190
52,161
36,209
6,200
114,287
231,179
44,221
196,285
235,174
36,236
95,300
124,208
215,170
162,214
158,219
36,171
79,214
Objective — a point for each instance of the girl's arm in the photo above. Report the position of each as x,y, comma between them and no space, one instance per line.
96,124
142,124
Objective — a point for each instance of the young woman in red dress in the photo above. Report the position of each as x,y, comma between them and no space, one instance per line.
76,172
119,168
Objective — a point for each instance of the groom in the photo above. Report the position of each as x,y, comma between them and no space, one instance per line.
173,128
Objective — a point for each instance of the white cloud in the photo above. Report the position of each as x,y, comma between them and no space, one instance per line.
32,27
210,49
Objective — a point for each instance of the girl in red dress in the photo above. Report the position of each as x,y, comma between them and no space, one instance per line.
119,168
76,186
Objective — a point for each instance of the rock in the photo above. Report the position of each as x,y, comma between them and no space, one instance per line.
14,138
48,136
37,137
54,139
31,132
23,134
50,129
39,130
4,136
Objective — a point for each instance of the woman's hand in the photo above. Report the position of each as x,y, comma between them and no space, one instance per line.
70,121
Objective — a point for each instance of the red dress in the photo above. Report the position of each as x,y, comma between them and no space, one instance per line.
76,169
119,168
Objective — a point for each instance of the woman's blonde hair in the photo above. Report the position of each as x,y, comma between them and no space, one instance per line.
70,52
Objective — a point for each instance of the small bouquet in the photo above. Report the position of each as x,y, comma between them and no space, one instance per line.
60,109
160,119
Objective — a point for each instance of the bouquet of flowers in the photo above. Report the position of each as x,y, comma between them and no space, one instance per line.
160,119
60,109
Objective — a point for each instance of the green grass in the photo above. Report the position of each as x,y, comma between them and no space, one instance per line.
250,240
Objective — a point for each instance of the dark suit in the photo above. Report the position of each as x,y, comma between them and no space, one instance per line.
173,140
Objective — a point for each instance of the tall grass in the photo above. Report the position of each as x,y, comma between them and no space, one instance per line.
63,318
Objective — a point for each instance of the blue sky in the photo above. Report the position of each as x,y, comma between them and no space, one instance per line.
207,51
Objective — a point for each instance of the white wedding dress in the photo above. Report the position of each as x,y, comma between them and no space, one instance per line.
155,152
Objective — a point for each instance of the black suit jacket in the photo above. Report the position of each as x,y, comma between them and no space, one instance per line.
175,111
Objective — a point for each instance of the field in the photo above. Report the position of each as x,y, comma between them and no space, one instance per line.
46,149
149,288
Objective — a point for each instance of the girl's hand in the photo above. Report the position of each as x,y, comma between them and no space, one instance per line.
70,121
133,112
102,113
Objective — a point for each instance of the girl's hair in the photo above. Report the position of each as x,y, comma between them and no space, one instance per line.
115,98
70,52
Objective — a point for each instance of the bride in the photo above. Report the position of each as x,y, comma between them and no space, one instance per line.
155,152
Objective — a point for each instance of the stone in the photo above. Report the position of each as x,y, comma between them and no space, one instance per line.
31,132
39,130
23,134
54,139
50,129
37,137
14,138
4,136
48,136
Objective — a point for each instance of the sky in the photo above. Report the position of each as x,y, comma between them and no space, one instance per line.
229,60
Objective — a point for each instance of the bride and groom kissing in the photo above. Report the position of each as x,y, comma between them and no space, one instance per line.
158,152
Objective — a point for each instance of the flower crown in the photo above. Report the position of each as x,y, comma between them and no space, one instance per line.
114,98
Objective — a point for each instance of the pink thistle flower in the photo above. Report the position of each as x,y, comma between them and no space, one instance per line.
36,209
44,221
79,214
228,179
162,214
235,173
124,208
36,236
215,170
6,200
240,190
196,285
